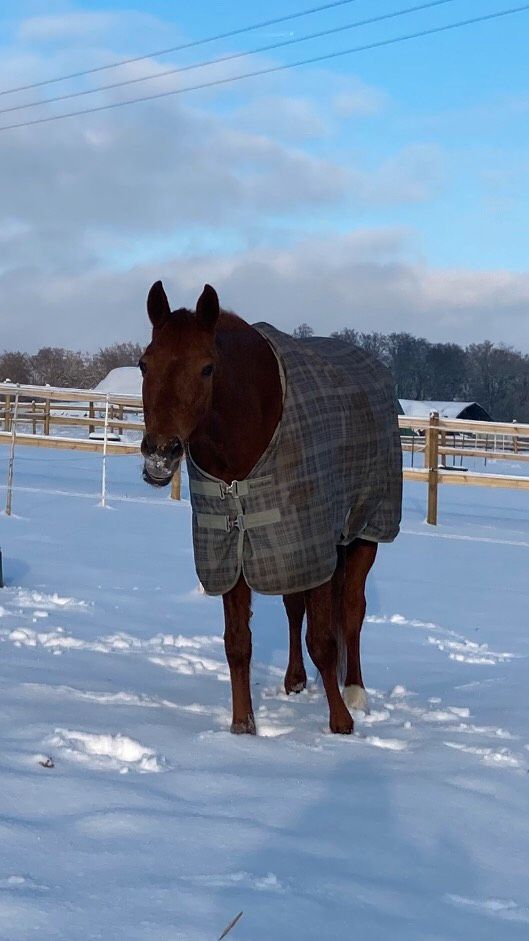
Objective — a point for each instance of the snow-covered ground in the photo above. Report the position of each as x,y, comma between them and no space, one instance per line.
155,824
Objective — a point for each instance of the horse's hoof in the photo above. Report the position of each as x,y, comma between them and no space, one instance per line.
295,684
244,728
342,726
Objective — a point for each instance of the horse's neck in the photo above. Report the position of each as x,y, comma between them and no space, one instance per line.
246,405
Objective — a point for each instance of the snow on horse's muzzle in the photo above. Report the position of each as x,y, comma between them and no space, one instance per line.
160,463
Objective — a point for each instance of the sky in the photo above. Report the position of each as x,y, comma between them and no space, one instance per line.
382,190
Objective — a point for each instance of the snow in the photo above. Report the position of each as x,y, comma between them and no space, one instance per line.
421,409
124,380
128,811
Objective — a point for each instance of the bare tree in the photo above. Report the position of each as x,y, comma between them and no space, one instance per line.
111,357
16,367
55,366
303,331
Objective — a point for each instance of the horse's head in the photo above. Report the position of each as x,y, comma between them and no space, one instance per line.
177,369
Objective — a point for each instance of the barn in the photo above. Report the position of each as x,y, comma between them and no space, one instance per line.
124,380
471,411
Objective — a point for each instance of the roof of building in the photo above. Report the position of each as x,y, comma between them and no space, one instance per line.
417,409
125,380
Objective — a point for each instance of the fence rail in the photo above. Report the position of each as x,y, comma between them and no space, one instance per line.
470,439
432,439
22,405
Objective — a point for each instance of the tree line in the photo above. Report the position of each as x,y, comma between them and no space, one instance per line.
495,376
55,366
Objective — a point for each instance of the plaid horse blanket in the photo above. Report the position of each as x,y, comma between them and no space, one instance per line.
331,473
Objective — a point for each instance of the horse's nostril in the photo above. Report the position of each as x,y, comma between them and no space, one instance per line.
176,450
148,446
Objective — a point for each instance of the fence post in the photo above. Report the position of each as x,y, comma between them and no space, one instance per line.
104,467
91,414
431,459
176,484
47,409
443,445
7,414
9,496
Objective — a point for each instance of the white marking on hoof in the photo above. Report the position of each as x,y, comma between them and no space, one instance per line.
355,697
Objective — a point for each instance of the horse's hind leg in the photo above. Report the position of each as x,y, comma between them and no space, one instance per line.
321,642
238,644
359,559
295,677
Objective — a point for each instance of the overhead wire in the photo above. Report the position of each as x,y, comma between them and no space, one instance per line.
269,70
227,58
188,45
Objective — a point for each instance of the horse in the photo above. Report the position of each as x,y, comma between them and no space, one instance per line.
215,391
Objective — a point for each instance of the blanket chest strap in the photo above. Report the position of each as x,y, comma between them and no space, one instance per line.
242,522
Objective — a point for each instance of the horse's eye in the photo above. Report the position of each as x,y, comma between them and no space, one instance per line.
143,366
208,370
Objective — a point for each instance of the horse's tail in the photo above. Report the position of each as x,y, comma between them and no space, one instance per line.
338,582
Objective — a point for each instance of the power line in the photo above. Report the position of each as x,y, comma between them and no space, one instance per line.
228,58
275,68
188,45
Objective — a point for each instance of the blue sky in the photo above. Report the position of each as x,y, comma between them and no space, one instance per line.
398,175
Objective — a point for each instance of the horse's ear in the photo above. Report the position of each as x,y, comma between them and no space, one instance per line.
208,308
158,306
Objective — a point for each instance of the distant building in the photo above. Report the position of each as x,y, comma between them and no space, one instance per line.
125,380
472,411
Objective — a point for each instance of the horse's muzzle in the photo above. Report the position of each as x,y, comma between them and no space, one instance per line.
160,463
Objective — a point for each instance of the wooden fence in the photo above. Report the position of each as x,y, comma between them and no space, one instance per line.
101,416
440,438
104,417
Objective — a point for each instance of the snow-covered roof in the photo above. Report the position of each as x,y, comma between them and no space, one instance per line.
416,409
125,380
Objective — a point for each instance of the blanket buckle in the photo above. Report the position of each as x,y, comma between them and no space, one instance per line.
229,490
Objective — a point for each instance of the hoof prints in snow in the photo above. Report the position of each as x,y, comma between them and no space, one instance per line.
501,757
503,909
458,647
468,652
240,880
400,721
23,599
56,641
106,752
121,698
18,883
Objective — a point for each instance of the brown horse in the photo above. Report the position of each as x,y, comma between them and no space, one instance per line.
212,386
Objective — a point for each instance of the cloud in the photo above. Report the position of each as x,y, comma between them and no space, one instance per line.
283,117
360,280
249,190
358,100
83,25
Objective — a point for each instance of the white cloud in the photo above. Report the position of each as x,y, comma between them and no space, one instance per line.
85,205
361,280
287,118
358,100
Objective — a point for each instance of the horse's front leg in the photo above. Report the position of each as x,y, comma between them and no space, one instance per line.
238,644
321,643
295,677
